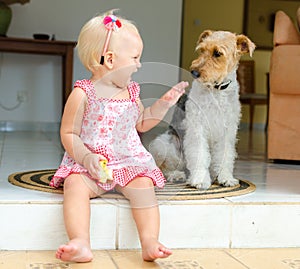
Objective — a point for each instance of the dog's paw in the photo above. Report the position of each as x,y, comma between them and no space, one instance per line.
176,176
200,180
227,180
201,186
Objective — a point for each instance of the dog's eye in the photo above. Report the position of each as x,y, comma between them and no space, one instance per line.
217,54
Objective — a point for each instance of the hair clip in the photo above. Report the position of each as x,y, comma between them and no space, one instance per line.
111,23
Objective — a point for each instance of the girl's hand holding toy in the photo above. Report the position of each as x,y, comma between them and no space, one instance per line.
96,166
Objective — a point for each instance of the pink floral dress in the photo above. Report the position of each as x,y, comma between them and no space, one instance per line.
108,129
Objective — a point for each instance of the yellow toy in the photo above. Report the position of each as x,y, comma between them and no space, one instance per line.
105,173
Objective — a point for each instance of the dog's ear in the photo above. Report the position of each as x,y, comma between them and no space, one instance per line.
244,45
204,35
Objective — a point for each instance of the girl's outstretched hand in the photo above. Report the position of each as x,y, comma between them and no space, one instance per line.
91,163
171,97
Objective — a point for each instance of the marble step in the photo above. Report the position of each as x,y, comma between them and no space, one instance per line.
33,220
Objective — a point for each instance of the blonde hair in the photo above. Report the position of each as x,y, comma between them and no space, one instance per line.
92,37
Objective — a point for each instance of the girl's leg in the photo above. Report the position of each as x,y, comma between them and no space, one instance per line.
141,195
76,207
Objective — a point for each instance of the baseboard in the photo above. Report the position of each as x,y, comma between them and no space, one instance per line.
257,126
10,126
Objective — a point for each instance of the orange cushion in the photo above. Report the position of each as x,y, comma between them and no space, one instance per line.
284,71
285,31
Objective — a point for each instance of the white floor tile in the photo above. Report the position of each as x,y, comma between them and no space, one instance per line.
263,226
204,226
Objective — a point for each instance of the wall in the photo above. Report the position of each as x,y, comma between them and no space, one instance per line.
40,75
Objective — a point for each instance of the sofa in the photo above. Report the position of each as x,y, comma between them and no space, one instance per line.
284,100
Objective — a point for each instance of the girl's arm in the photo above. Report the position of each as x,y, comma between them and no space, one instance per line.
70,130
151,116
71,125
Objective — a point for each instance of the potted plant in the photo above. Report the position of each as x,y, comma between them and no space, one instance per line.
6,14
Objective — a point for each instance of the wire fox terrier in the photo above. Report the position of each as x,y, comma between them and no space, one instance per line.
199,146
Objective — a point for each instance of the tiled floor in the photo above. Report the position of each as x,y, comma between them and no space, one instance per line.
21,151
276,183
181,259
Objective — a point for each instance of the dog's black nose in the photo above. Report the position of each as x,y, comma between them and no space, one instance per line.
195,74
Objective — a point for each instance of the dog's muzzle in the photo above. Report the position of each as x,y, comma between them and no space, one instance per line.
195,74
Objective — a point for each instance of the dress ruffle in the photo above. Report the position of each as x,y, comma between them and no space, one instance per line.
128,173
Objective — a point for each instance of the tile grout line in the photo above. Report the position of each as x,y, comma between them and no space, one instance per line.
236,259
117,228
112,259
230,226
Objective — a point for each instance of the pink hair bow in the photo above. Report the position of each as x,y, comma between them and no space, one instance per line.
111,23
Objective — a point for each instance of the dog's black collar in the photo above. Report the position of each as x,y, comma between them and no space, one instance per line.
223,85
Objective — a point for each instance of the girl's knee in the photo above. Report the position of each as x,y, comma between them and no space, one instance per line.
140,193
75,183
70,182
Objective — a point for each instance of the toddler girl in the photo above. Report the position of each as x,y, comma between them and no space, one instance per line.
101,121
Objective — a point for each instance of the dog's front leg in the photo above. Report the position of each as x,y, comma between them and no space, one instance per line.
223,157
197,156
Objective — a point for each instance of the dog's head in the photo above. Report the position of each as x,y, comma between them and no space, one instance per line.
219,53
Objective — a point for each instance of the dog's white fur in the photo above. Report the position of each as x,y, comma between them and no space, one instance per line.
211,117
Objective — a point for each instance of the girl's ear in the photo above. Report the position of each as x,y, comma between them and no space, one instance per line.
109,59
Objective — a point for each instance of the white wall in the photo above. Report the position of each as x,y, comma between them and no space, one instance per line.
159,23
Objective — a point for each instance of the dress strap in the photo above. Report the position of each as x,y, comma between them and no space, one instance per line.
134,91
87,86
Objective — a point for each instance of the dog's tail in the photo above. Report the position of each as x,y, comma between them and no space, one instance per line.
159,148
167,153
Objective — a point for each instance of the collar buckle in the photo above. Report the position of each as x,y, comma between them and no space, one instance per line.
223,85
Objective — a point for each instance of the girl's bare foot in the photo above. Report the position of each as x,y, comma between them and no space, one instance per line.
75,251
152,249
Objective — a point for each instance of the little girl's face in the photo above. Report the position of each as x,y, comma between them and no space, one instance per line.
127,55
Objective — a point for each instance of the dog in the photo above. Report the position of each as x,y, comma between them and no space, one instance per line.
199,146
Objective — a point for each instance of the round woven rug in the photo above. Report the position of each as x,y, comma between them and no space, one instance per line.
39,180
